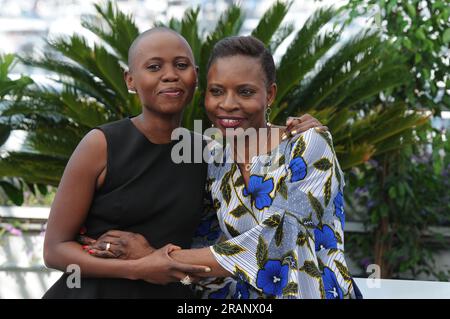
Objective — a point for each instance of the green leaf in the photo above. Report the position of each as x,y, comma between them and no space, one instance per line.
420,34
281,160
321,265
311,269
42,189
327,138
226,193
278,38
233,232
446,36
338,237
279,232
411,10
290,289
332,251
343,270
232,170
14,194
290,260
262,252
239,182
323,295
337,173
241,274
216,204
7,62
282,187
392,192
327,190
5,131
300,147
272,221
227,249
239,211
316,205
301,239
270,22
323,164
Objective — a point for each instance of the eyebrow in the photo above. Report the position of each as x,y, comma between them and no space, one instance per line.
162,59
238,86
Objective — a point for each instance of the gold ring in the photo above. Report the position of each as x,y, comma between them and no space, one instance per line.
186,281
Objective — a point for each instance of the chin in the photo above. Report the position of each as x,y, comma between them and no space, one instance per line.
172,109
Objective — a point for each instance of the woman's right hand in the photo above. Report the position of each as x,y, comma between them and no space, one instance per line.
117,244
159,268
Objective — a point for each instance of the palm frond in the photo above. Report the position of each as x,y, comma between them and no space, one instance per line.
270,22
97,60
280,35
34,168
357,54
189,30
117,29
71,74
229,24
302,55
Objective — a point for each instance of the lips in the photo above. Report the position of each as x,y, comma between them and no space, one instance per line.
230,122
171,92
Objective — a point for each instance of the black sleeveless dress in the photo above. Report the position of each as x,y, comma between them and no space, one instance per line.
144,192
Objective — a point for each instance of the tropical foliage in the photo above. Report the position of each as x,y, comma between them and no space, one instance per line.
401,198
400,195
89,89
420,32
10,92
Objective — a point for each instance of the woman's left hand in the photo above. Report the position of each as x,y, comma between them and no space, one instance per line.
295,125
118,244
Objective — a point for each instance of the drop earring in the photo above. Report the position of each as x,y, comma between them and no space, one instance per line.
268,111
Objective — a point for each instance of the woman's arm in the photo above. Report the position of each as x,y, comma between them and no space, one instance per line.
69,210
202,256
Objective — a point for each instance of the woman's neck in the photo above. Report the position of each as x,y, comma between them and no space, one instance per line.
157,127
260,144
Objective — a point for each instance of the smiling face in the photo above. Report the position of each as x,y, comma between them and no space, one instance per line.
162,72
237,93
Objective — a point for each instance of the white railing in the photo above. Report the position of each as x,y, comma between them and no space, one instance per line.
403,289
23,274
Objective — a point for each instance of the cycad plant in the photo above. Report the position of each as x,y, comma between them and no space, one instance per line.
11,92
315,75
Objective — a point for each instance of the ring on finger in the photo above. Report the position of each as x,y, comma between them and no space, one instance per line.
186,280
108,245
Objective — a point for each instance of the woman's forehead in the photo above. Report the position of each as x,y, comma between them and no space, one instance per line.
236,67
162,45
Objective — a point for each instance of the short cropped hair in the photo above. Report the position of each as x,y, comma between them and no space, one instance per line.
247,46
133,46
